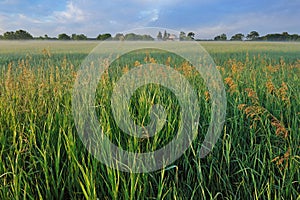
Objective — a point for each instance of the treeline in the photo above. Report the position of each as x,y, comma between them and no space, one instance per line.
24,35
252,36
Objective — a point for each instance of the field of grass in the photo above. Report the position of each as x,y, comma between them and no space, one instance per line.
256,157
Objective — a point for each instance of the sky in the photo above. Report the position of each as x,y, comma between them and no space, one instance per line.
206,18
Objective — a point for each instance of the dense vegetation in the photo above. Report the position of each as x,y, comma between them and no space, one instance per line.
257,156
252,36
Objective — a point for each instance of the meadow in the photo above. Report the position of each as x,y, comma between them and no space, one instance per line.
256,157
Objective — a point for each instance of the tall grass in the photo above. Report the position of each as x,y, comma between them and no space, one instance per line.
257,156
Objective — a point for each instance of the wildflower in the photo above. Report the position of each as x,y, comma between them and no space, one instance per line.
207,96
252,95
137,63
270,87
147,58
280,159
234,68
152,60
283,94
168,61
125,69
232,85
46,53
272,69
280,129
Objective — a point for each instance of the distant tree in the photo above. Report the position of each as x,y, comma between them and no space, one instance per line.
237,37
1,37
182,36
136,37
221,37
9,35
131,36
105,36
159,36
78,37
166,35
74,36
23,35
285,36
18,35
82,37
64,36
295,37
46,37
147,38
191,36
253,35
119,36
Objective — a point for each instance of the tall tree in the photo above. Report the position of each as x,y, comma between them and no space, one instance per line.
9,35
237,37
119,36
82,37
18,35
23,35
104,36
221,37
64,36
182,36
147,38
191,36
253,35
159,36
166,35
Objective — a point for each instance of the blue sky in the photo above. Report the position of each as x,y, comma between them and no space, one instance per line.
207,18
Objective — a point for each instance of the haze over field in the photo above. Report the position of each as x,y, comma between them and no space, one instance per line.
206,18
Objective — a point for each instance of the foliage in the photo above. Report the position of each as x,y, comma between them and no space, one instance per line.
18,35
159,36
119,36
64,36
280,37
221,37
253,35
237,37
166,35
104,36
135,37
184,37
78,37
191,35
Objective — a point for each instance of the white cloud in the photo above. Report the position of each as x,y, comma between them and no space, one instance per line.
25,18
71,14
149,15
